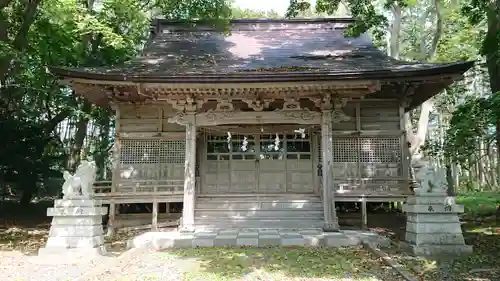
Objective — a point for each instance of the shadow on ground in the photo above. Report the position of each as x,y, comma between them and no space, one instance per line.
483,265
26,228
230,263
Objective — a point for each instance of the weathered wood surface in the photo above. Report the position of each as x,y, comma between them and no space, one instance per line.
367,145
141,221
142,192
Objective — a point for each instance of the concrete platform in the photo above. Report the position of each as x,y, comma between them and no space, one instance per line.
257,238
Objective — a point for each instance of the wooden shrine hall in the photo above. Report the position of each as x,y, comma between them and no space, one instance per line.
264,126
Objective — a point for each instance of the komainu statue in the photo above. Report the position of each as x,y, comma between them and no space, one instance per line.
428,177
81,183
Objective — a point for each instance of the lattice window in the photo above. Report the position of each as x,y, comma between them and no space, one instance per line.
366,150
379,150
345,150
172,151
152,151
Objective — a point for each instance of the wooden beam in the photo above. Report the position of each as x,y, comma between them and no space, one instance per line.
214,118
153,135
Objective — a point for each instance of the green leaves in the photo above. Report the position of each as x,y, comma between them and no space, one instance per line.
36,112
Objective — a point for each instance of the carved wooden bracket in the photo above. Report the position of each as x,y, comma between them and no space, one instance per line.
338,114
324,102
215,115
291,104
299,115
189,104
182,118
257,105
224,105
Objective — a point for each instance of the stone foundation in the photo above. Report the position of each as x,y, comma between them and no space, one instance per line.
433,227
257,238
76,228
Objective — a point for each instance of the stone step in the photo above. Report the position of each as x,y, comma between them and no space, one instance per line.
275,223
266,198
279,213
294,204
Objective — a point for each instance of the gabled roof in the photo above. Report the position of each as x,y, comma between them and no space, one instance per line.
259,50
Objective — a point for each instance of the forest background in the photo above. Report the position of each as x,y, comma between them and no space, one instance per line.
46,128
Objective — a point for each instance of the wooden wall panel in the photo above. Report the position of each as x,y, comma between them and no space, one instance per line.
348,125
147,118
139,125
379,115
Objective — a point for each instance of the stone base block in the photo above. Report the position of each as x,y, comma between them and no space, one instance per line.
331,227
80,220
434,227
339,239
435,238
433,208
371,238
69,254
435,250
75,231
75,242
83,202
432,218
77,211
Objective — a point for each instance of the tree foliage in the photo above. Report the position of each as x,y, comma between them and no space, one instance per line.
46,128
46,125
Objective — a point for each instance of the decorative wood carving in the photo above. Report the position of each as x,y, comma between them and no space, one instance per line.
214,115
338,114
324,102
291,104
302,115
257,105
178,118
186,104
182,118
225,105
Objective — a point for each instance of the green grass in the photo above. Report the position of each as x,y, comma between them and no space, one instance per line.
479,204
230,263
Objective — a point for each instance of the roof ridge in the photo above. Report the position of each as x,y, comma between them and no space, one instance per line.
259,20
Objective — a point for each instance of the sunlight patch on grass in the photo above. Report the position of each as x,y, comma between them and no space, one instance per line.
479,203
228,263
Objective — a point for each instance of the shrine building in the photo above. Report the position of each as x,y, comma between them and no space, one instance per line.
266,125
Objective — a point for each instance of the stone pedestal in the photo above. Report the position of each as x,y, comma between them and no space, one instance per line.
433,226
76,228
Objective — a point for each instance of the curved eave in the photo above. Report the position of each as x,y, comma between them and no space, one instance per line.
259,77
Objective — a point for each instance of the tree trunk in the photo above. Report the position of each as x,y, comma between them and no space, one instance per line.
449,179
491,45
104,145
81,133
29,189
395,32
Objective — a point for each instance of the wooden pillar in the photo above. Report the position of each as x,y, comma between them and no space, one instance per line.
331,221
115,177
154,223
364,213
189,179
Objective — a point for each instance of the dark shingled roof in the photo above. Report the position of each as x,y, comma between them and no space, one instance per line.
257,49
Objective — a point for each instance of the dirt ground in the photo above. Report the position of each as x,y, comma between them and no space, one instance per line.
21,235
